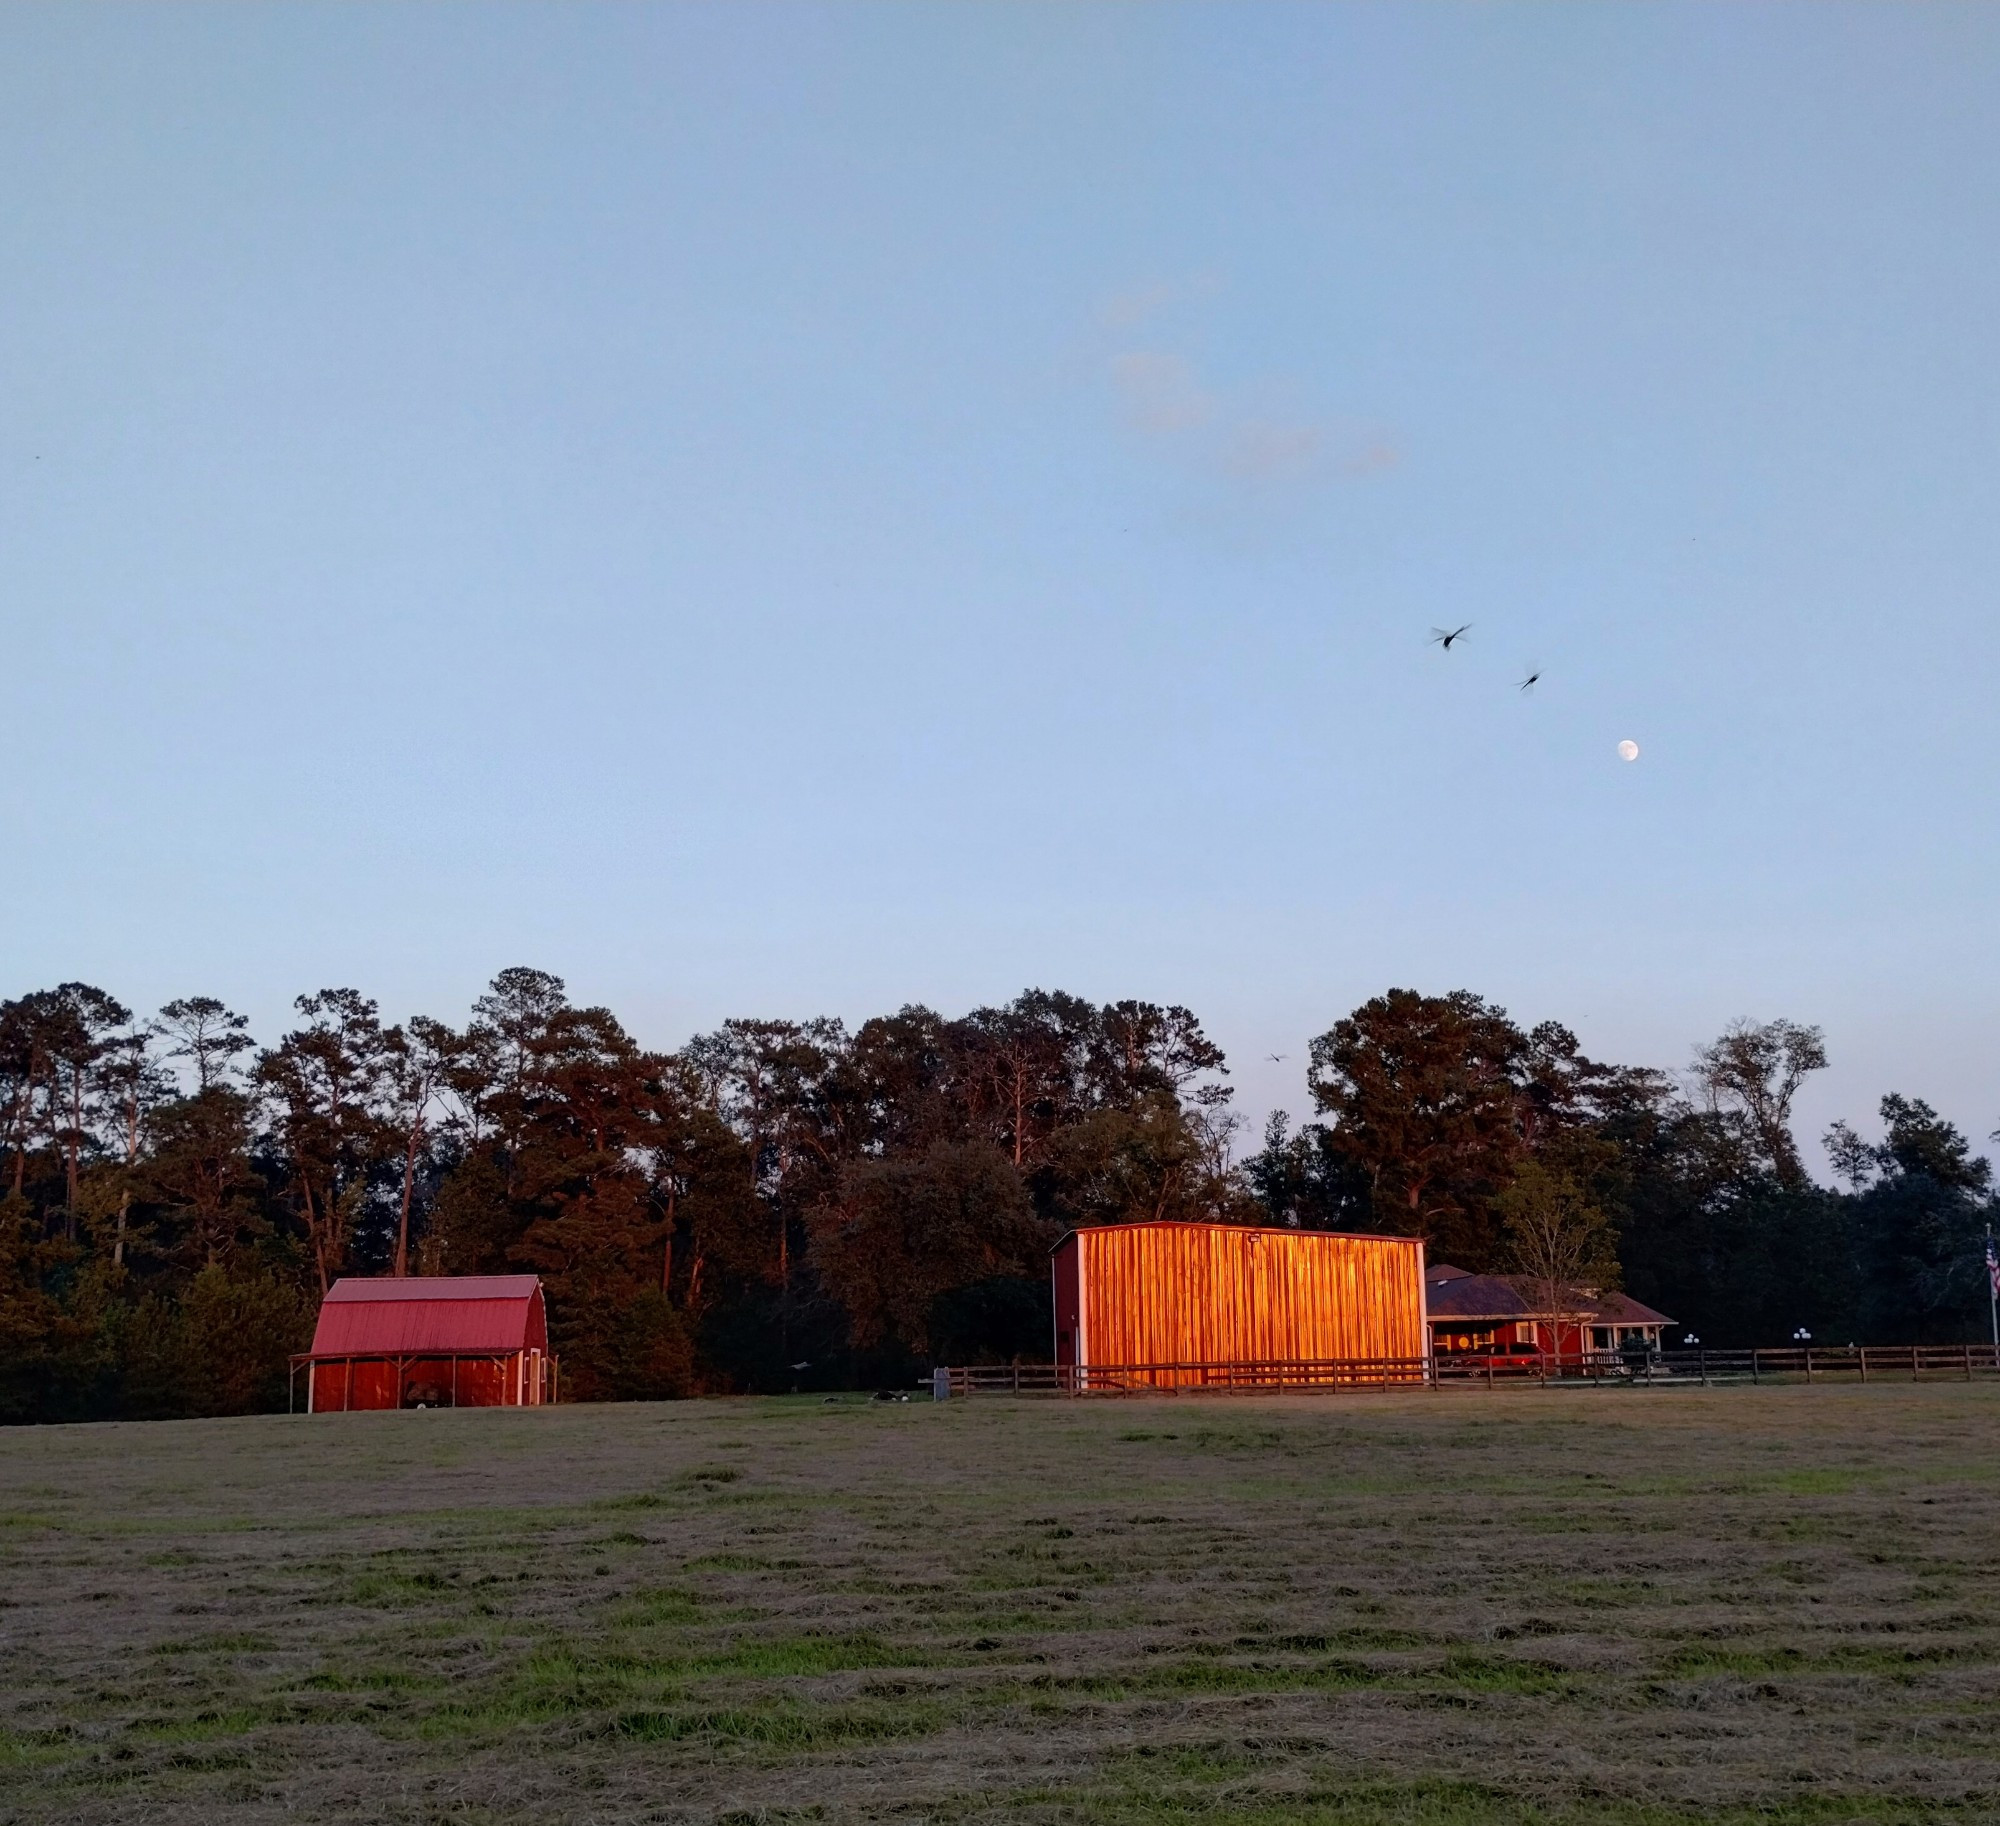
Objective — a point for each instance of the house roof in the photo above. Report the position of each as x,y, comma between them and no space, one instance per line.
1622,1309
1504,1299
1444,1271
446,1313
1477,1296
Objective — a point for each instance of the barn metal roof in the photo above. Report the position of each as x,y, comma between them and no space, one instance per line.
372,1316
1184,1224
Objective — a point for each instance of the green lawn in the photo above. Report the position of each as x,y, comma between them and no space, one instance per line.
1628,1606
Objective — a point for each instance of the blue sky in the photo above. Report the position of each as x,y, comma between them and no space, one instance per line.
771,510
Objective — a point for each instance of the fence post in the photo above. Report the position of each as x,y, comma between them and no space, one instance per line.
1753,1363
1701,1364
1864,1363
1968,1363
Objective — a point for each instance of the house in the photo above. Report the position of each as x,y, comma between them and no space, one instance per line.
1504,1315
1178,1299
430,1341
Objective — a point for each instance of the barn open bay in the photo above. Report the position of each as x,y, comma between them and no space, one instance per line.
1631,1605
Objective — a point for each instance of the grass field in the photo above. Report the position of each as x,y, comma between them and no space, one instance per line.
1625,1606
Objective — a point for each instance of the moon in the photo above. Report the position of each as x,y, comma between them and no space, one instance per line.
1628,750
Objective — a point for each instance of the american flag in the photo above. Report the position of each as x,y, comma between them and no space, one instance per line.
1993,1267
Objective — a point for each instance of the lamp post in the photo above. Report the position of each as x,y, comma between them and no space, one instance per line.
1993,1290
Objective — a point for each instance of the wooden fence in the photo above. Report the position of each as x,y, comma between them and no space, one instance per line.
1790,1363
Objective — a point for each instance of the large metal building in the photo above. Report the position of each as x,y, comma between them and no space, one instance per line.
1169,1304
467,1341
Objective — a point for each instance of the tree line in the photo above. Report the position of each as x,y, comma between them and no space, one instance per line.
784,1204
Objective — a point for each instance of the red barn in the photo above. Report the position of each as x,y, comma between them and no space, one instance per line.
460,1341
1177,1301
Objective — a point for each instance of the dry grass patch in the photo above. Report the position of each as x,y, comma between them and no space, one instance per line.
1646,1608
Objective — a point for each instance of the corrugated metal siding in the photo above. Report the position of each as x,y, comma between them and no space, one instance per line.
471,1382
346,1385
1069,1300
1220,1293
470,1313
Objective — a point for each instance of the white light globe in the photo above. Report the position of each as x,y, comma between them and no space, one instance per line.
1628,750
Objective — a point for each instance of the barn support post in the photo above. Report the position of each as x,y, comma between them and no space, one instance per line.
454,1380
347,1399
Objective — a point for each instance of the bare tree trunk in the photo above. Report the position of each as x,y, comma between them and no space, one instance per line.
409,1182
23,1105
131,1155
313,1230
75,1142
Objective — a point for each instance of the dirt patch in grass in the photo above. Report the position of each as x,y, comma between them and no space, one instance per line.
1525,1609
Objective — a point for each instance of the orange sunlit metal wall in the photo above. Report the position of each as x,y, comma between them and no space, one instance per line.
1191,1294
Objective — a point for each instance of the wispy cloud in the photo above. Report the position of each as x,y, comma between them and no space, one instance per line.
1260,450
1271,437
1369,454
1159,393
1127,310
1140,304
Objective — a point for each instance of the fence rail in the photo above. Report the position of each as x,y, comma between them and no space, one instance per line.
1788,1363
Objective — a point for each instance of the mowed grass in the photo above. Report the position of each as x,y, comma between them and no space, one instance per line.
1641,1607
